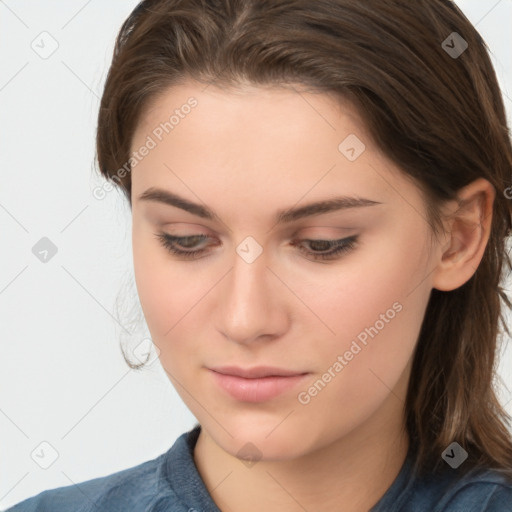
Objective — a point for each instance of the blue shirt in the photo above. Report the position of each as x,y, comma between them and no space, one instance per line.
171,483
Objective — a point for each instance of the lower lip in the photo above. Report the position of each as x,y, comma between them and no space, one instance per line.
256,390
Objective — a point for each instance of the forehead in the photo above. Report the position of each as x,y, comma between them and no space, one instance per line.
277,143
285,110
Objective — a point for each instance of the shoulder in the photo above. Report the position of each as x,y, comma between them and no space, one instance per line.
448,490
169,483
134,488
481,491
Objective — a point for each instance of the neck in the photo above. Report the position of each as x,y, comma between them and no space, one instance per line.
353,472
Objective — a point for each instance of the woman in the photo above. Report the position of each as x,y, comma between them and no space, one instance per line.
320,195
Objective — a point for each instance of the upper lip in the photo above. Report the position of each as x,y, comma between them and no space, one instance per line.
256,371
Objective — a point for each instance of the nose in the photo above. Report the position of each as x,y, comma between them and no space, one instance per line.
251,303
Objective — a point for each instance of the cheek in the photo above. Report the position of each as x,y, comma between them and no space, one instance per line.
165,292
172,298
375,309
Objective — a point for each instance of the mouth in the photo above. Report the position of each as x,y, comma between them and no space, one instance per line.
258,384
256,372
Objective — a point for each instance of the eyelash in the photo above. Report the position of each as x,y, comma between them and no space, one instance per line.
347,245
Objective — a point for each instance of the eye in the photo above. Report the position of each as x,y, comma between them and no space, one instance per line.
319,249
170,243
329,249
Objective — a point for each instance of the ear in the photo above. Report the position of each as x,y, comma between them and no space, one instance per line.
467,230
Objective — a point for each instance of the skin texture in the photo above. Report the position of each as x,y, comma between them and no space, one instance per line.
247,154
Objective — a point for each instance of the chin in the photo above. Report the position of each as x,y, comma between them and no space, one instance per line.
260,439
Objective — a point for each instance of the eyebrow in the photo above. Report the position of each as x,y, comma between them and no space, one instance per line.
282,216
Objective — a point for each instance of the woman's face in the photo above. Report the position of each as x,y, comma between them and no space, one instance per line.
266,288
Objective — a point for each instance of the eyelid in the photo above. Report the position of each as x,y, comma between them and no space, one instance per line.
339,247
323,232
187,227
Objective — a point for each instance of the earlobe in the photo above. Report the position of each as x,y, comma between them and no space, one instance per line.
468,231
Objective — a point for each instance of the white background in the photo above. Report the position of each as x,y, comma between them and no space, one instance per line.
63,379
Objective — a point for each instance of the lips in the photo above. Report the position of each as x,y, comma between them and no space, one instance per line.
257,384
256,372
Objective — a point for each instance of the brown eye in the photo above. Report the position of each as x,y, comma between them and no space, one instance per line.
319,247
172,244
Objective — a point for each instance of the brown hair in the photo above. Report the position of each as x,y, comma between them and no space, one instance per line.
439,117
